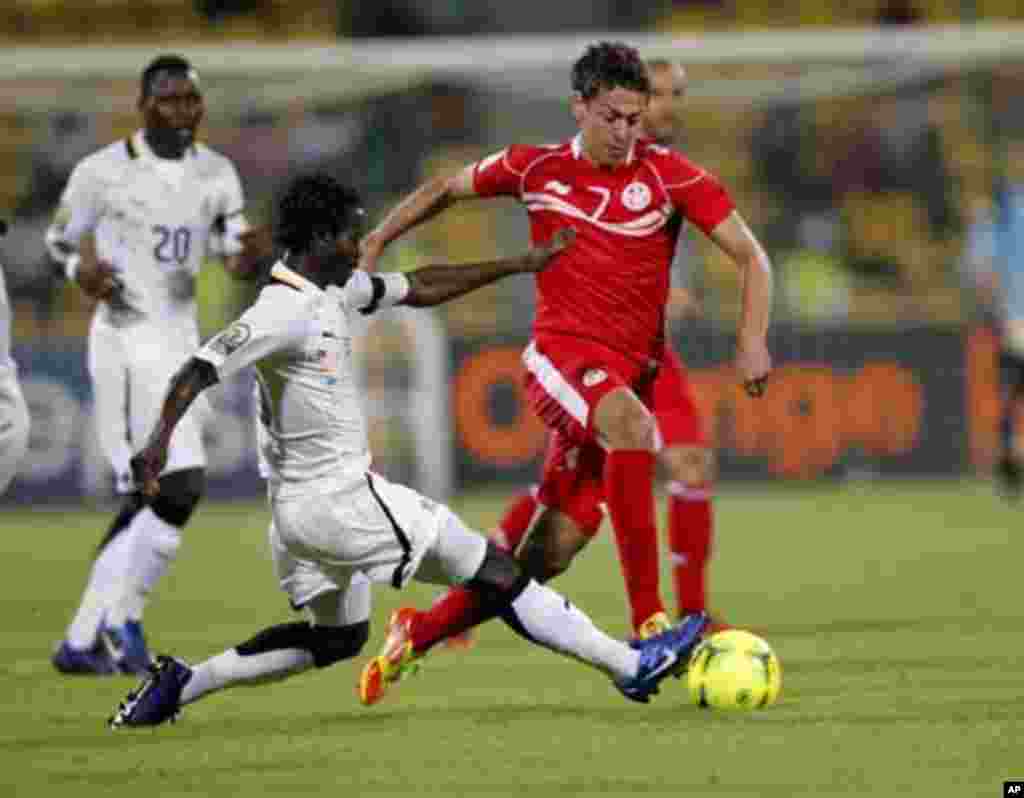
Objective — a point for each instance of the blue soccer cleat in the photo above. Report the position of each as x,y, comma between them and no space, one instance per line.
157,699
83,662
126,646
666,654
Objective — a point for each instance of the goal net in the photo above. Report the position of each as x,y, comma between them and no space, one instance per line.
869,162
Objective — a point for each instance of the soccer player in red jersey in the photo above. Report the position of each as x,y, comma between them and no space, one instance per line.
684,456
599,330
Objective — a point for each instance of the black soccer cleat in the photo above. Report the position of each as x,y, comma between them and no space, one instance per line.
157,699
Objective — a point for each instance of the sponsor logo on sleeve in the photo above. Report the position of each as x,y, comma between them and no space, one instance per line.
231,339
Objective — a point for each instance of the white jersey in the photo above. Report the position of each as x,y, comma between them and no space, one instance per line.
312,430
154,220
8,368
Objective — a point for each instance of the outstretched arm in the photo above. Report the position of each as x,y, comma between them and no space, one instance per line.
191,380
432,285
752,358
423,204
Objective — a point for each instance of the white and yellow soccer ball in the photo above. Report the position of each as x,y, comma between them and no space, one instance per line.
734,670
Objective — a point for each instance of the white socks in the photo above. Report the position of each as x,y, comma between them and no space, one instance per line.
230,669
552,621
123,576
155,544
105,580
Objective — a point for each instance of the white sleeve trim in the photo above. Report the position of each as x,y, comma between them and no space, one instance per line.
396,288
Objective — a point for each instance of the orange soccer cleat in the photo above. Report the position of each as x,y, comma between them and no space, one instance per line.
395,661
653,626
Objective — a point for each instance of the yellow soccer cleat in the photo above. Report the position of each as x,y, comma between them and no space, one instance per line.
395,661
653,626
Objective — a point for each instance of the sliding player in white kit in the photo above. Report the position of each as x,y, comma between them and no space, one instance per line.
14,421
336,523
135,223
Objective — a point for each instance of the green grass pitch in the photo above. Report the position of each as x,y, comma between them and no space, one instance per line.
897,611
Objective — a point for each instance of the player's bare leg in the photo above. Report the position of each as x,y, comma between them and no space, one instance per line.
550,545
629,432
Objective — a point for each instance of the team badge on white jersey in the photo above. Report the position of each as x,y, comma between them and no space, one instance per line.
636,196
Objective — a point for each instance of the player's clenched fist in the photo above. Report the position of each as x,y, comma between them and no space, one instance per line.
97,278
754,364
539,256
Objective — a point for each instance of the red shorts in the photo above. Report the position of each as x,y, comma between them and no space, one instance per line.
572,477
675,406
567,377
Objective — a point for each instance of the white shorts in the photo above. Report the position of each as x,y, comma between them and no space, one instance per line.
375,531
14,428
131,367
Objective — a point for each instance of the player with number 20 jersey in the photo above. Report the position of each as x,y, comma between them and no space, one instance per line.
136,221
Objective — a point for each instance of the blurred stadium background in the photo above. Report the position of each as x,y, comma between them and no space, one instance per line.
866,142
863,140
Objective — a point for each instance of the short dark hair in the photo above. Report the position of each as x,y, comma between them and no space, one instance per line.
609,65
175,64
315,207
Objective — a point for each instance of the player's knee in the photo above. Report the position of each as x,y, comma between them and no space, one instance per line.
180,492
331,644
690,465
629,425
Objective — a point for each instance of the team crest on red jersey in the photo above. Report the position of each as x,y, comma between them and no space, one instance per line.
636,196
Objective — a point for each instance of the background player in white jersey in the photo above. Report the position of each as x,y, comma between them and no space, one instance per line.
335,522
14,419
136,221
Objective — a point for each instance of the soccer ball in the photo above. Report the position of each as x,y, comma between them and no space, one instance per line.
734,670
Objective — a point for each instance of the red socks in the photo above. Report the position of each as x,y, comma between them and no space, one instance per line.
628,484
628,480
459,609
455,611
689,540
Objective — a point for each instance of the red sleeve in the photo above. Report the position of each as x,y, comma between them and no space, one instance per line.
502,173
696,193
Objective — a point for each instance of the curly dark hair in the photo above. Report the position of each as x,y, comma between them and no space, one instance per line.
175,64
315,207
609,65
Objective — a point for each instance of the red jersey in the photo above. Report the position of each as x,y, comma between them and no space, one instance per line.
611,286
